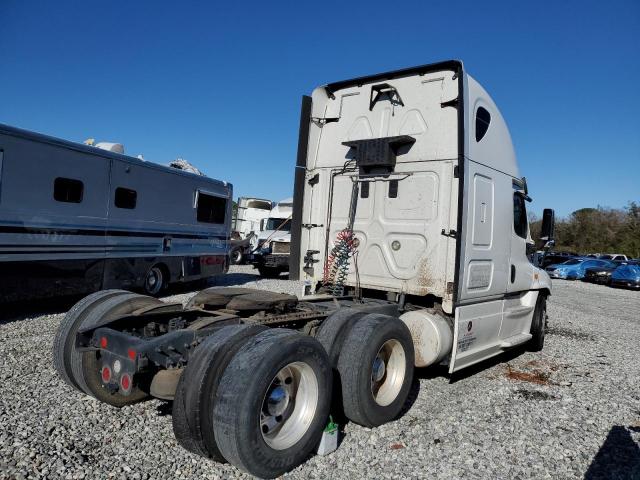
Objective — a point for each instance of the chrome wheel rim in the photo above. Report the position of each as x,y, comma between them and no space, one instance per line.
289,406
153,282
387,372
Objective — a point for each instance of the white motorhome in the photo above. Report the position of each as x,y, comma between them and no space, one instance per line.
409,231
271,255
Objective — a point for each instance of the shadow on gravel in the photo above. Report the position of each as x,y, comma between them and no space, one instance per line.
164,409
505,357
237,278
568,333
25,310
338,415
618,458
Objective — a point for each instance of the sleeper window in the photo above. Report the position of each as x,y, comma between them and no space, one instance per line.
211,209
125,198
68,190
483,119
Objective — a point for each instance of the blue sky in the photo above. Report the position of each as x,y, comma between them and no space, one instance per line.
219,83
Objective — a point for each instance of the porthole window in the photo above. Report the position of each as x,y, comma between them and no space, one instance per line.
483,119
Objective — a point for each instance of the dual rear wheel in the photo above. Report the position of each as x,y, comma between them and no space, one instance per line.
258,398
372,357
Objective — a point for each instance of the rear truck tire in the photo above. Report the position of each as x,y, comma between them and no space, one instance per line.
335,329
236,257
538,325
269,272
154,281
64,341
198,386
275,402
376,369
86,366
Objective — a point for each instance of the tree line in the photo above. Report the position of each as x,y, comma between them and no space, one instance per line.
596,230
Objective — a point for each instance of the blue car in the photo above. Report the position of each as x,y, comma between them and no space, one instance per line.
626,276
575,268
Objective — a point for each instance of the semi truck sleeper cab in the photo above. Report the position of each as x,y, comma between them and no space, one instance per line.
409,234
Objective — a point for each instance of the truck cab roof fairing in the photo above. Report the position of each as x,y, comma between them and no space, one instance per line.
495,148
453,65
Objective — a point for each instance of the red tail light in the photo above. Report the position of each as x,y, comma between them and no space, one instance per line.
106,374
131,353
125,382
103,342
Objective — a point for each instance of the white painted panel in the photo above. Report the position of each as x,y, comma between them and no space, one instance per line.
423,260
486,234
518,313
482,211
476,334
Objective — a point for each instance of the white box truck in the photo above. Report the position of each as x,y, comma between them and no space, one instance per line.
409,231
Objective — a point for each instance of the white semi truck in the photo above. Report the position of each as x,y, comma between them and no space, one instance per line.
247,223
271,254
409,232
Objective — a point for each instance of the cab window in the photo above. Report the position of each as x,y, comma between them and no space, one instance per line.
520,223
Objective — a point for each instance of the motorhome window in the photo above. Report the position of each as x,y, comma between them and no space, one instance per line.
519,215
125,198
483,119
211,209
68,190
283,224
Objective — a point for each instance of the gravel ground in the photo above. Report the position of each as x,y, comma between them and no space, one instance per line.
572,411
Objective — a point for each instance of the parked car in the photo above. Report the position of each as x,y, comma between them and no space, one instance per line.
613,256
601,274
627,275
574,269
555,258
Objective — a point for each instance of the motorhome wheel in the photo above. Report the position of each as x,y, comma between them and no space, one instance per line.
154,281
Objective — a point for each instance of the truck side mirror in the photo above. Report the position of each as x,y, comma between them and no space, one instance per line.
548,225
262,225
